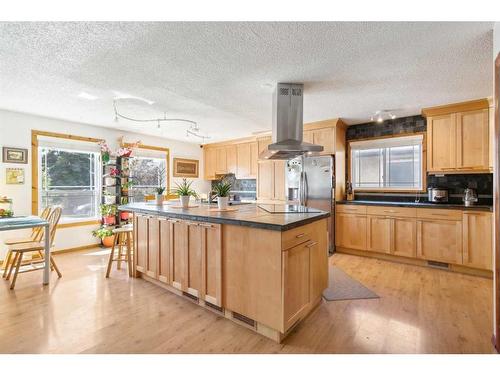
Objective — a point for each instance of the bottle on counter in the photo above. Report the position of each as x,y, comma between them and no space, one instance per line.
349,191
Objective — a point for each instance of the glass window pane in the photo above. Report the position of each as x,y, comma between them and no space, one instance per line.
146,174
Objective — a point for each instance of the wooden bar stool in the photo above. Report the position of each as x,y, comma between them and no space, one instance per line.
122,238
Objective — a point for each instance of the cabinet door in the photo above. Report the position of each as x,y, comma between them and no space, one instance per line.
193,259
296,279
350,231
254,157
243,160
478,240
279,180
263,143
153,247
325,138
209,163
220,160
141,243
404,237
231,158
379,234
211,272
164,252
178,254
439,240
441,143
473,140
265,183
307,136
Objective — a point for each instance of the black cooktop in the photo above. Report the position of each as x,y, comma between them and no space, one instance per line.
288,209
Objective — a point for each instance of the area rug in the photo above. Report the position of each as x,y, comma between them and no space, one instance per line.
343,287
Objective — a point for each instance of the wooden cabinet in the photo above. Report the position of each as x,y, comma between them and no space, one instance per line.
296,281
265,180
178,255
209,163
231,159
141,242
307,136
478,239
271,176
326,138
220,160
254,158
193,259
153,247
439,240
246,160
211,263
164,252
351,231
473,140
458,141
404,237
379,234
279,180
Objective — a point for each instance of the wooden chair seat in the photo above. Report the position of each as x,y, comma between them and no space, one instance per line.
13,241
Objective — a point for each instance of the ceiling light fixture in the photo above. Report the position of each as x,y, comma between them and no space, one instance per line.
382,115
193,126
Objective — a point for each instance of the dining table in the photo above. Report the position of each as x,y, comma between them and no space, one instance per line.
26,222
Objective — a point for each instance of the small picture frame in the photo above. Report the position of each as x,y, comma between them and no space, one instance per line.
14,176
15,155
186,168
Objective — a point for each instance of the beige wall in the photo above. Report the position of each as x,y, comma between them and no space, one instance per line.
15,131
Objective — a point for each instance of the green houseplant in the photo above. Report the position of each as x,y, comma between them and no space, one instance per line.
108,212
105,234
222,189
184,191
160,189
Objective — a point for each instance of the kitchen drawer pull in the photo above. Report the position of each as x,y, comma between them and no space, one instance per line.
390,211
205,225
311,244
300,235
173,220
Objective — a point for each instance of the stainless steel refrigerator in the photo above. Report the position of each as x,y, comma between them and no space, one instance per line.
310,181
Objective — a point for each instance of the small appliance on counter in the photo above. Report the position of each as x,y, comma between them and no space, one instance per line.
470,197
437,195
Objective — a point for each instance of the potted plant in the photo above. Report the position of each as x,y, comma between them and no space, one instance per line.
126,185
160,189
105,152
184,191
222,189
108,212
105,234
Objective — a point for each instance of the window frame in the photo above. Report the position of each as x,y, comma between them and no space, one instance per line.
385,189
165,150
35,196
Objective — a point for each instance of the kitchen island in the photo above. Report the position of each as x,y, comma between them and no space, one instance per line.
262,270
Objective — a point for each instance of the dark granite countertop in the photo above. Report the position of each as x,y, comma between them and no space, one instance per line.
246,215
450,206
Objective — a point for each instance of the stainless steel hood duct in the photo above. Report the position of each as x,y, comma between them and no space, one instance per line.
288,102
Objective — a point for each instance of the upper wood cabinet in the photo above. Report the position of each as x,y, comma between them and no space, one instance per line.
326,138
221,160
246,160
478,239
209,163
458,138
231,159
239,159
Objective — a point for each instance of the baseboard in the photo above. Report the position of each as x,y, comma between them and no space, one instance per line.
77,248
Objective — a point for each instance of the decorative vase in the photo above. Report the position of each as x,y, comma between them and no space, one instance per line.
110,199
222,202
125,215
185,201
159,199
109,220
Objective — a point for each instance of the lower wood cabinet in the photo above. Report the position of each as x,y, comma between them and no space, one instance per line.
183,254
448,236
351,231
379,234
478,240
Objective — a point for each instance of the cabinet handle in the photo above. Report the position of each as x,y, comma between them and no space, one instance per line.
205,225
311,244
390,211
300,235
173,220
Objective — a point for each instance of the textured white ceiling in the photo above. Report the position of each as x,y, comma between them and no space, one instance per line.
218,73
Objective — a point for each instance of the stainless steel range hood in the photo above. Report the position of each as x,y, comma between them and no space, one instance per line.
288,101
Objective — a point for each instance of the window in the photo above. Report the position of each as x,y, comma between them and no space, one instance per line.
70,179
387,164
147,173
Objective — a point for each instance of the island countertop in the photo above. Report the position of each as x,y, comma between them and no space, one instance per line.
245,215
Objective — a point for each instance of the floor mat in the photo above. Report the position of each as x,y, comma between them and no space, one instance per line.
342,287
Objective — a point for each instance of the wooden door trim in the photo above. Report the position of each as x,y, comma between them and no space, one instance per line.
496,302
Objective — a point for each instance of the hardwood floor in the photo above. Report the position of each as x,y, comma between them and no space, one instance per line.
421,310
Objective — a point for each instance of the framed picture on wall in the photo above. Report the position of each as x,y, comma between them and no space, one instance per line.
186,168
14,176
15,155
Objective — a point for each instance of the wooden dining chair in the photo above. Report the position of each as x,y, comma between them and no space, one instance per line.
20,249
36,235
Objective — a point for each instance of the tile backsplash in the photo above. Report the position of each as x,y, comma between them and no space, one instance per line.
402,125
244,188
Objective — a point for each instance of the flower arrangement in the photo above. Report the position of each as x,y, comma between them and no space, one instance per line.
105,151
114,172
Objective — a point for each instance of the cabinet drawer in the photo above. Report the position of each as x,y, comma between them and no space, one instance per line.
392,211
296,236
436,213
350,209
